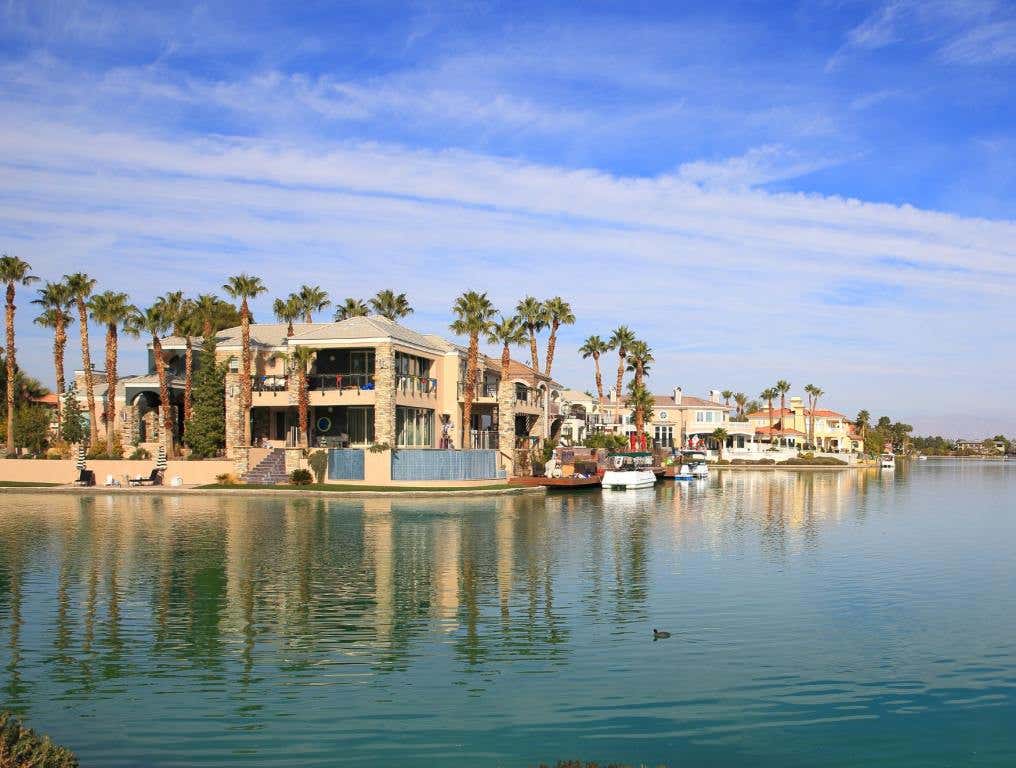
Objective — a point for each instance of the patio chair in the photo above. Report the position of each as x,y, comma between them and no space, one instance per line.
153,479
85,478
111,482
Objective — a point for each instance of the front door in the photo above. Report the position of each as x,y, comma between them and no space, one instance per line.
280,426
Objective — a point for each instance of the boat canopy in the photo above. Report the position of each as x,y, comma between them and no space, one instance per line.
633,454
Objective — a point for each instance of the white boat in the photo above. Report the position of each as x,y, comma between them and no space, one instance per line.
888,461
700,469
630,470
922,457
684,474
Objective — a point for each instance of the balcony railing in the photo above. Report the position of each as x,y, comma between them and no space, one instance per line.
531,398
320,382
418,385
269,383
482,389
484,438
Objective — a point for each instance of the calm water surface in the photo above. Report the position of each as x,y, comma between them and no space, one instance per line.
823,619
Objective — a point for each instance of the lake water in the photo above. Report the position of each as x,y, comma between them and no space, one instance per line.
825,619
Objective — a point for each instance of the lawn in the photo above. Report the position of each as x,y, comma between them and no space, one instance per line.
20,484
338,487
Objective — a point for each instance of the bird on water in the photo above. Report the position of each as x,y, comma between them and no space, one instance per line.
659,634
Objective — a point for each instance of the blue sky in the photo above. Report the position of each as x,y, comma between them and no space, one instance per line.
820,191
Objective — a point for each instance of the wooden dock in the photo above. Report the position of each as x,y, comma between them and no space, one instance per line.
557,483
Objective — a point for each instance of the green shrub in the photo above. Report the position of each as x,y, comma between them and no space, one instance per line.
139,454
318,461
300,477
21,747
227,478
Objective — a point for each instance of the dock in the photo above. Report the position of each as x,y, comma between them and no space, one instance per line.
556,483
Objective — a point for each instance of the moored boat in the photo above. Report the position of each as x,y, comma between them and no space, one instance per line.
629,470
888,461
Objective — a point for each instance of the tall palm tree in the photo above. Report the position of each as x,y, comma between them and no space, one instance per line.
156,322
288,310
55,300
621,339
473,313
81,286
301,358
188,323
741,400
783,387
640,356
814,393
559,313
726,395
769,395
863,423
593,347
350,308
389,304
311,299
111,309
12,271
534,315
720,436
508,332
245,287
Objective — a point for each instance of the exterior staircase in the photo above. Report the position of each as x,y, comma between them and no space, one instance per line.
270,471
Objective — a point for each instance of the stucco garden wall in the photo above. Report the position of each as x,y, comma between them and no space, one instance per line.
64,471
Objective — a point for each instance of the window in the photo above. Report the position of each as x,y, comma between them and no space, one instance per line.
705,416
411,365
360,425
664,436
414,427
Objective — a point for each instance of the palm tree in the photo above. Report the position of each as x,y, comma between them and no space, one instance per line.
769,395
814,393
212,314
726,395
473,313
311,299
244,287
12,271
639,358
55,300
190,322
81,286
621,339
301,358
288,310
720,436
508,332
111,309
782,387
559,313
741,400
534,315
156,322
640,400
593,347
391,305
863,423
350,308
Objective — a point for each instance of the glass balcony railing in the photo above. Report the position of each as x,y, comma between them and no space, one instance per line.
418,385
482,389
318,382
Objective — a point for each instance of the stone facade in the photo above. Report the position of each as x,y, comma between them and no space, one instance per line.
384,394
506,424
234,410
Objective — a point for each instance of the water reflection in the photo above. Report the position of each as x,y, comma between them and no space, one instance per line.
261,606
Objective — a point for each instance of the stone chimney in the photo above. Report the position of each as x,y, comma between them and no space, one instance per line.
677,395
612,395
796,403
714,396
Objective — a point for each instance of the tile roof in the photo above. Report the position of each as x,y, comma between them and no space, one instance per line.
778,431
369,327
687,401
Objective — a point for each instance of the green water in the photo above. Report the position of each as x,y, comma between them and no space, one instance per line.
825,619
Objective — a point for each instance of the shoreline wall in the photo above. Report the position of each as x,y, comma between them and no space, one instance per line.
65,471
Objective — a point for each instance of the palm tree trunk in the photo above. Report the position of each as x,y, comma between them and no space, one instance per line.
472,360
640,414
111,374
188,380
59,343
813,407
307,318
620,383
533,352
167,408
245,392
551,345
10,368
303,402
599,379
783,416
86,362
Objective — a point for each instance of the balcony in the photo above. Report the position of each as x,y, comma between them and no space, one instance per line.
269,383
323,382
528,399
482,391
483,438
419,386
